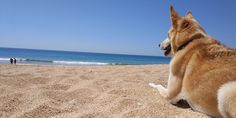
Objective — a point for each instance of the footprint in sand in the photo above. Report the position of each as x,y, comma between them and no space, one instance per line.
42,111
63,87
82,96
84,77
92,115
126,105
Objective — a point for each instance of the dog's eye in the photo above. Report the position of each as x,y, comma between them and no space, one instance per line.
185,24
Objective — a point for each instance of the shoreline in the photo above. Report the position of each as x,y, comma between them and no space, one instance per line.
85,91
48,64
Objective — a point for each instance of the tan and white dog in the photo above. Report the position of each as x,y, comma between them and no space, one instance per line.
202,71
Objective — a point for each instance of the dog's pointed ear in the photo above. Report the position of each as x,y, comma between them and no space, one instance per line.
174,17
189,15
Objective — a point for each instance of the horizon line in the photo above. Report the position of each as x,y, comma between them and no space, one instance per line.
83,52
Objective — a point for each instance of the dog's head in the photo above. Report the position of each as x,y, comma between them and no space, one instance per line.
183,30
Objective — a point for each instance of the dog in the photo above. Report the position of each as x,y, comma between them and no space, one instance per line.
202,70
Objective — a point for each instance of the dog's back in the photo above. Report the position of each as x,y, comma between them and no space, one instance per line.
210,67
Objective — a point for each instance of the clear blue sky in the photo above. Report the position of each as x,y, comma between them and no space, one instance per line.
107,26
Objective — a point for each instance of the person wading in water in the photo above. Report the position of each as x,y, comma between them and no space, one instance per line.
14,60
11,60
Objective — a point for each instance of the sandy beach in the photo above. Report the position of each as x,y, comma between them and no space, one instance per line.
42,91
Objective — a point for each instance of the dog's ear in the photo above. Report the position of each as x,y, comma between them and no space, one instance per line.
174,17
189,15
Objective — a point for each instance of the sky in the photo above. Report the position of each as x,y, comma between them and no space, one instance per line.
107,26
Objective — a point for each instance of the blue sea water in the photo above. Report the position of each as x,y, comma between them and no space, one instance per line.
33,56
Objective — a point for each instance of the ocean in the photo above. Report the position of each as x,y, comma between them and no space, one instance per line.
35,56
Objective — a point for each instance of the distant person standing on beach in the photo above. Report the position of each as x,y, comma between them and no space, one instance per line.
11,60
14,60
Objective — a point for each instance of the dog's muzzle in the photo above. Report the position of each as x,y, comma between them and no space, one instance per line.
166,46
167,50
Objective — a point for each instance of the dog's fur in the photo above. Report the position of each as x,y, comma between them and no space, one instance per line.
202,71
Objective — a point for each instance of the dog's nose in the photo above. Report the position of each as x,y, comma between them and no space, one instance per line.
159,45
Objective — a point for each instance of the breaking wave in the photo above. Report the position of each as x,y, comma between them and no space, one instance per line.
40,61
79,63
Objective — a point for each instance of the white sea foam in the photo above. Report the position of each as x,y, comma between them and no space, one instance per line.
23,60
4,59
7,59
79,63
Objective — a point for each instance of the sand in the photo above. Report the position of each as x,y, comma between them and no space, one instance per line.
41,91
